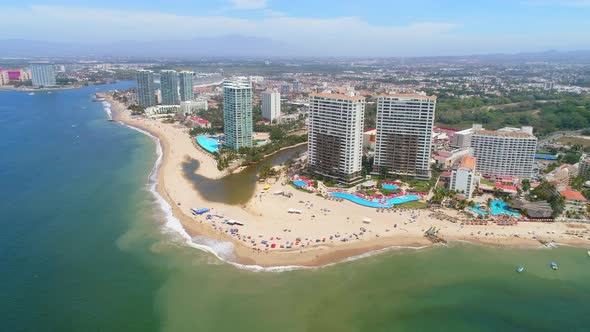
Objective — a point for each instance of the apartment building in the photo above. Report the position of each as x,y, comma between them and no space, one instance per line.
507,152
335,142
186,85
169,87
271,106
404,134
146,94
237,113
464,179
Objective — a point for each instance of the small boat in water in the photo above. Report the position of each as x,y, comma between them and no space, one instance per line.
520,269
554,265
588,252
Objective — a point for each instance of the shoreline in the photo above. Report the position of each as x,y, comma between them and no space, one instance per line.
313,255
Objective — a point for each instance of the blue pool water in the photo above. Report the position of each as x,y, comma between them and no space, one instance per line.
208,143
498,207
300,183
389,186
376,203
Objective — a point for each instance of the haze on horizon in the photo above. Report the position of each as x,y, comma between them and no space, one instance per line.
307,27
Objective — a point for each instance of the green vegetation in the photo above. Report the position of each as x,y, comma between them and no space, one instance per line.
136,109
547,192
267,171
414,205
545,112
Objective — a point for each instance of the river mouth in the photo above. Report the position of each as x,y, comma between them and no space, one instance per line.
237,188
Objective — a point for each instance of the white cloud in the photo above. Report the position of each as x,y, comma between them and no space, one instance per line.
249,4
305,35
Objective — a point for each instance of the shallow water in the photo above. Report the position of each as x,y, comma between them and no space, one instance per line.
85,246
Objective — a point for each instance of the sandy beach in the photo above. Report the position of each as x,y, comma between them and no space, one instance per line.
327,230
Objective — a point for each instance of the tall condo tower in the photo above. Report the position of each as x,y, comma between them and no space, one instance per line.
335,142
404,134
237,113
186,85
271,105
169,87
42,74
146,94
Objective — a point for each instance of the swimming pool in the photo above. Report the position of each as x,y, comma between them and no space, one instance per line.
389,186
497,207
208,143
300,183
376,203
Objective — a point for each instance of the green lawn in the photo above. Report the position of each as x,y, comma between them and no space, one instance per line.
414,205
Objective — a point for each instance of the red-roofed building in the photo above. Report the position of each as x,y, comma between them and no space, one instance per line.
195,121
369,137
574,201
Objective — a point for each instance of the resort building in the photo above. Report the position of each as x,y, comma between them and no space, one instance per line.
42,74
507,152
186,85
464,180
4,80
335,143
271,105
404,134
584,167
169,87
193,106
146,94
237,113
574,201
446,158
462,139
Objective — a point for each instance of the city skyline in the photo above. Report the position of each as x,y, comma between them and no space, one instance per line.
450,28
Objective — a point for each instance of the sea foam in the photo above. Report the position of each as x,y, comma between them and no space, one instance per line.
107,108
223,250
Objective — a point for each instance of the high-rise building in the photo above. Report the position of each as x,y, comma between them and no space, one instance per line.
169,87
186,85
335,141
237,113
404,134
584,167
285,89
271,105
42,74
507,152
295,86
462,139
146,94
464,179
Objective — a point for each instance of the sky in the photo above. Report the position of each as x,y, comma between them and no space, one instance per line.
315,27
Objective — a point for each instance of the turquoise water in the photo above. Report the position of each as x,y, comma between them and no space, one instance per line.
389,202
208,143
387,186
497,207
85,247
300,183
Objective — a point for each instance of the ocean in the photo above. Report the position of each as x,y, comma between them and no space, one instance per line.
86,246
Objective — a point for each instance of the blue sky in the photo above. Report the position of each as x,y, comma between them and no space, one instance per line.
316,27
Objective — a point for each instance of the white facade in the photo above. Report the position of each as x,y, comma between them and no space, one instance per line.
194,106
271,105
464,179
462,139
404,134
507,152
335,142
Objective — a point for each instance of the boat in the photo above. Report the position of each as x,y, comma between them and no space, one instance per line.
520,269
554,265
266,187
200,211
31,94
588,252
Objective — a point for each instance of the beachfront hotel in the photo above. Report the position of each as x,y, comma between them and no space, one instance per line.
186,85
237,113
271,105
507,152
464,180
335,141
42,74
169,87
146,95
404,134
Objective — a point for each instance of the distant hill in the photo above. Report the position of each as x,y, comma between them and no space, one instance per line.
210,46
